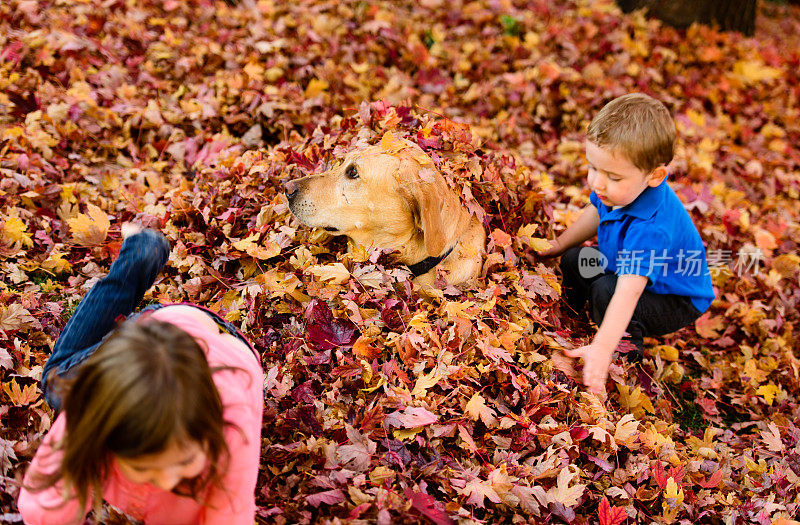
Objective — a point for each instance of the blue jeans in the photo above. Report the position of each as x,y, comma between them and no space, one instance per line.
114,297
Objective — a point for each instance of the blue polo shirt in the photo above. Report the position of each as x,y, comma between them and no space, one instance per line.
654,237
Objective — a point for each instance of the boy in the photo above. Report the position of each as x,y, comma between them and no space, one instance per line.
650,275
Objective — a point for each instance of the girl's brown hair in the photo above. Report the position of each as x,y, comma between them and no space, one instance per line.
638,126
146,387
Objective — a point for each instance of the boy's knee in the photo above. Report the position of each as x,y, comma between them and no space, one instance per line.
569,259
601,292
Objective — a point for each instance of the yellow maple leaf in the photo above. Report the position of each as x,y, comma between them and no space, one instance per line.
455,309
55,263
636,401
652,438
768,392
379,475
786,264
697,118
673,491
255,249
476,409
538,244
753,372
12,133
17,231
254,70
754,71
315,87
420,322
91,228
527,231
424,382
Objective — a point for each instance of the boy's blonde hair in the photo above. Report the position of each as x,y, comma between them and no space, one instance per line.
637,126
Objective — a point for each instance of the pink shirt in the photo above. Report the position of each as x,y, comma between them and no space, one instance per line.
242,397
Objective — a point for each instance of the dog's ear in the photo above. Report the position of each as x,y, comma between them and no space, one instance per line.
428,200
431,208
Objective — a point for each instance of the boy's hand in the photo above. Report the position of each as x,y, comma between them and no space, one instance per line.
596,362
554,251
129,229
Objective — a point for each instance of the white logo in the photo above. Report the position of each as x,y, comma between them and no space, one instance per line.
591,262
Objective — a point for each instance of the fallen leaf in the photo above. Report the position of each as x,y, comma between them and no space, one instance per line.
91,228
477,490
411,417
476,409
609,515
328,497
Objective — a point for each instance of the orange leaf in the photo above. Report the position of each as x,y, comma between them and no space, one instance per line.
362,348
21,396
708,326
501,239
765,240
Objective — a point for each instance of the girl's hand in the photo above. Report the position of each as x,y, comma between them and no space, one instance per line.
554,251
596,362
129,229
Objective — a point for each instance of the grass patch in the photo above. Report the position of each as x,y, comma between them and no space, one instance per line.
690,417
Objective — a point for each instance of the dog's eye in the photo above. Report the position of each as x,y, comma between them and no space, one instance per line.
351,172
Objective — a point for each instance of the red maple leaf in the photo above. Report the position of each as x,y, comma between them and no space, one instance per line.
609,515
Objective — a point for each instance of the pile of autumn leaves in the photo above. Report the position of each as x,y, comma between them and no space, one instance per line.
383,403
461,389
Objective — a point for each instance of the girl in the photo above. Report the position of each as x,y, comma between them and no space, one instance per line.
161,418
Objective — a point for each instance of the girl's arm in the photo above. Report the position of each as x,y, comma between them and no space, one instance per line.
583,229
47,506
234,502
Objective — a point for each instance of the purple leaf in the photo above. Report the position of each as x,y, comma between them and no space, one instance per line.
329,497
392,318
326,332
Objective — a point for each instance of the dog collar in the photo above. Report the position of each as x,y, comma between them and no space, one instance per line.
427,264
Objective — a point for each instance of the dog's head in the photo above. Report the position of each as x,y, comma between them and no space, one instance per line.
382,198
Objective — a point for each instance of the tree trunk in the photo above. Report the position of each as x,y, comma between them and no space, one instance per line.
729,15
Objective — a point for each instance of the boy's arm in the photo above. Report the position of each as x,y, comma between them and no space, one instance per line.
583,229
597,355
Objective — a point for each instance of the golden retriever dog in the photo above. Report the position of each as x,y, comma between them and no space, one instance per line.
393,198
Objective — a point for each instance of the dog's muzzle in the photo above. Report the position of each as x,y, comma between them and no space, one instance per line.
301,208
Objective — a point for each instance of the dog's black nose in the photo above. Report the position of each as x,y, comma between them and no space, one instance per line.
290,189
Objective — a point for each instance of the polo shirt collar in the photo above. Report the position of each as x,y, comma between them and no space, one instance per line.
645,205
